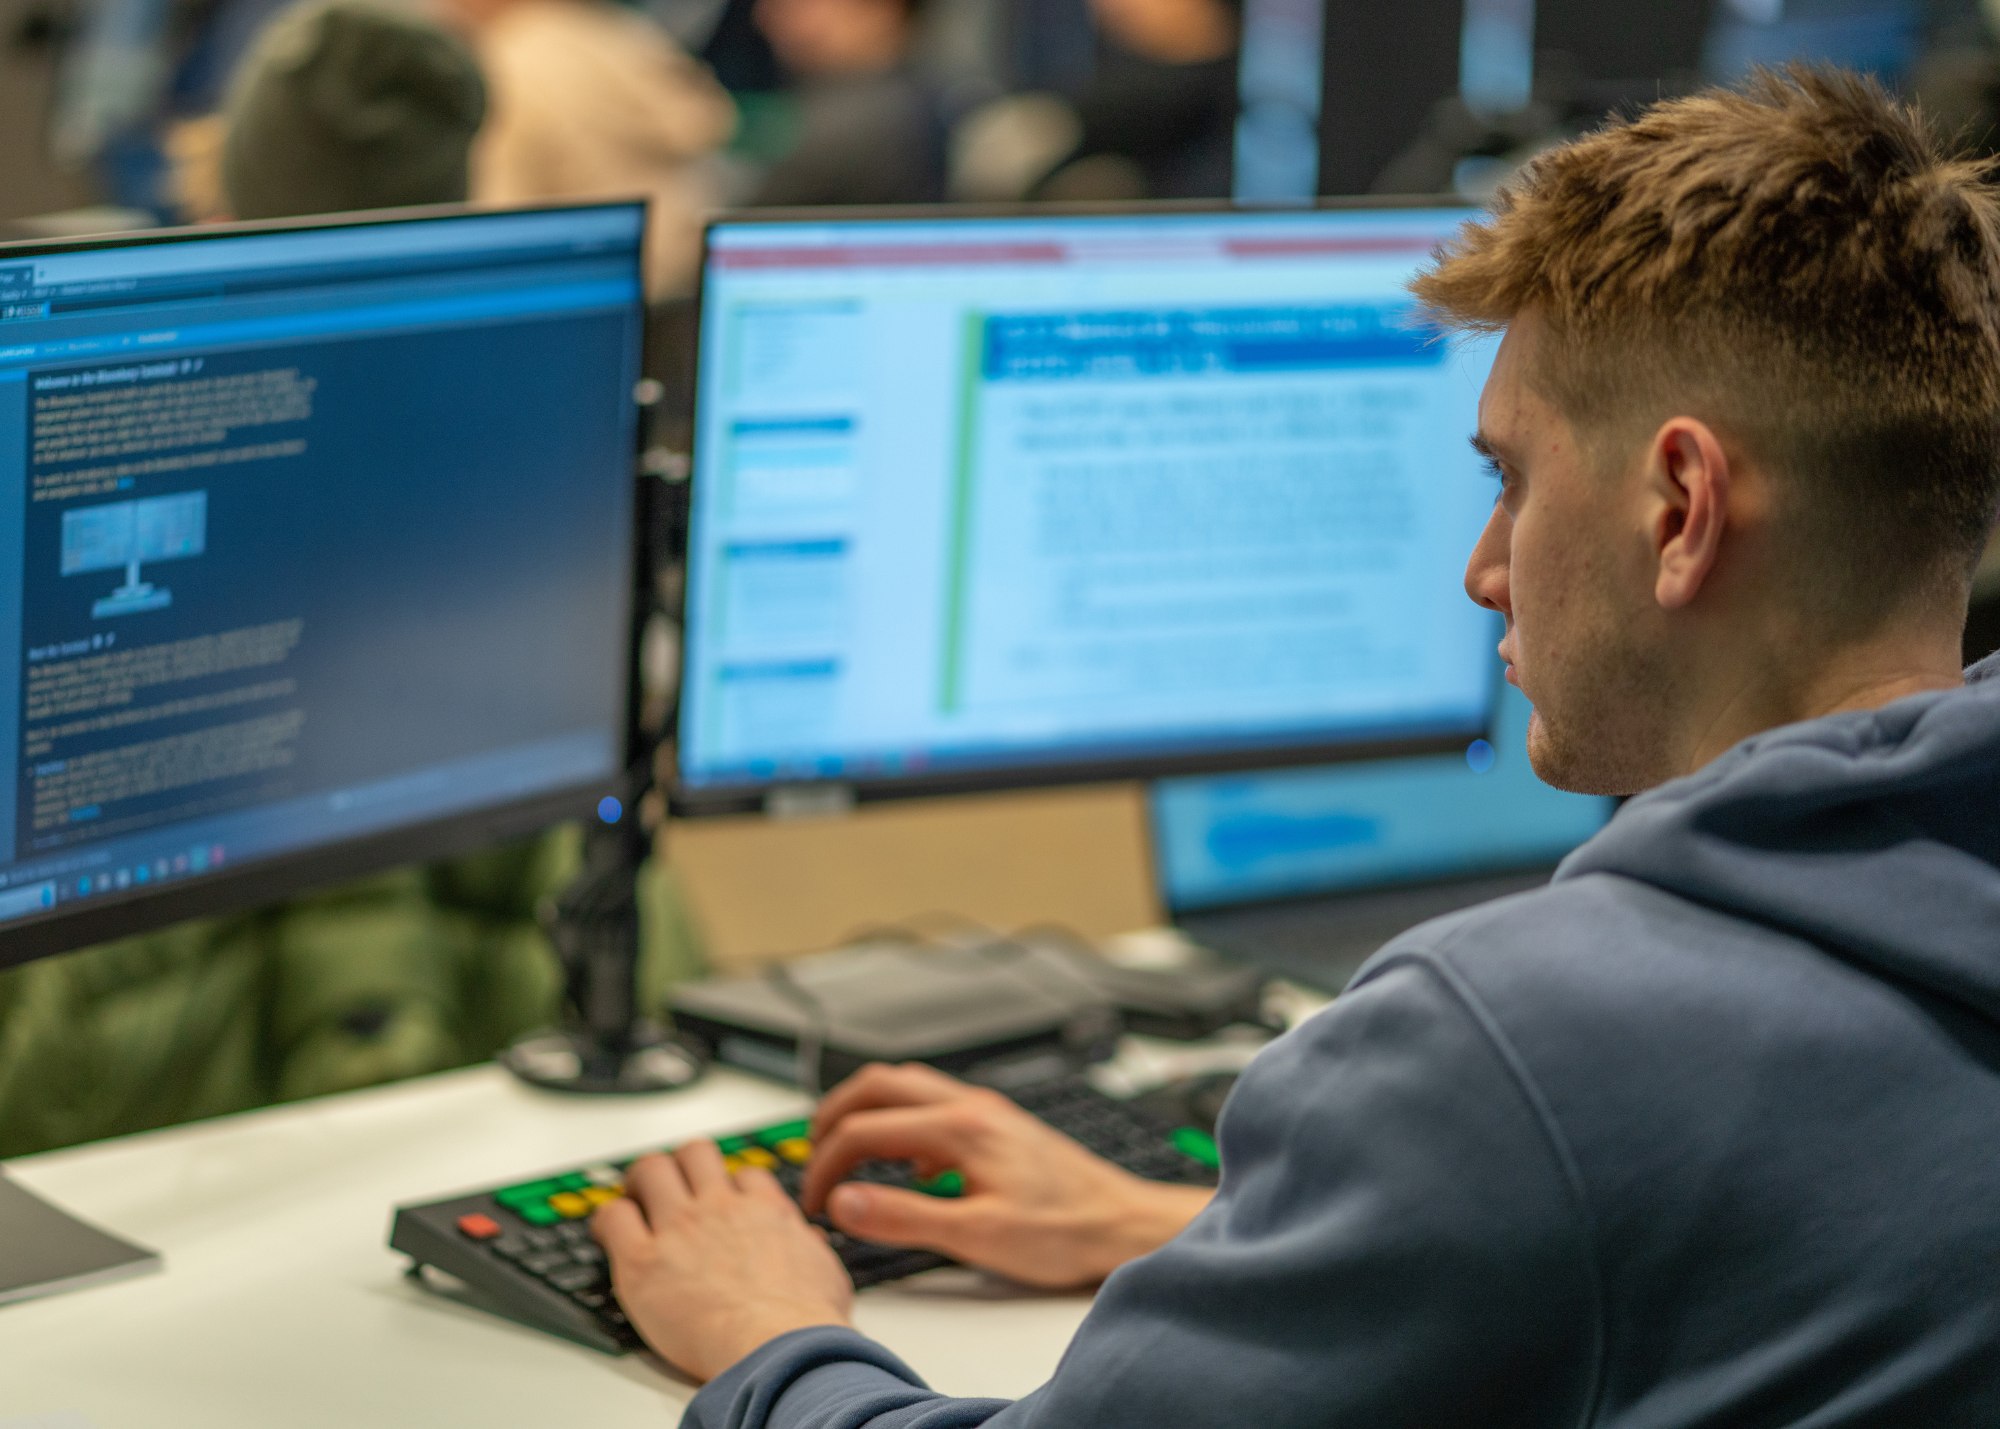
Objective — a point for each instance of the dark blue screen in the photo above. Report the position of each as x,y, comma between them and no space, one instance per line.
319,535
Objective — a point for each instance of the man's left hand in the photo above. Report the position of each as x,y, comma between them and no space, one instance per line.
711,1266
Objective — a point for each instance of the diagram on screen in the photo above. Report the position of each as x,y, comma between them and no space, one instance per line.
125,535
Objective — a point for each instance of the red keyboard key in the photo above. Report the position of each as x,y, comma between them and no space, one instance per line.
479,1227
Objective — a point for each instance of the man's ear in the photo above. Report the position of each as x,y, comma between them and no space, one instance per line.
1690,477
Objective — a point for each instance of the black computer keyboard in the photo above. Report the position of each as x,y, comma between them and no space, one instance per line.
524,1249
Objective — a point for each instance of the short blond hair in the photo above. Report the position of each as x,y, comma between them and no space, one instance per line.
1799,262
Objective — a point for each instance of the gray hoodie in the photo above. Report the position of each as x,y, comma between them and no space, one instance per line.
1705,1133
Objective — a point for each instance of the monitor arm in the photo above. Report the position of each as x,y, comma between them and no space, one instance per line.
606,1043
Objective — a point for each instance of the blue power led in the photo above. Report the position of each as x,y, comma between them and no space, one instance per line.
1479,756
610,810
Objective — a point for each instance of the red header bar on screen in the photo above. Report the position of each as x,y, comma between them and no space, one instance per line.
1119,249
890,255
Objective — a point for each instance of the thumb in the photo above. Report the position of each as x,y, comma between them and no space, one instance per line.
895,1217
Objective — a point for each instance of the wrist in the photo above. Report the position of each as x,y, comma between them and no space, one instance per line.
738,1336
1144,1216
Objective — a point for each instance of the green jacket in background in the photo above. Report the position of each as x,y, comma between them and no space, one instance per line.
412,972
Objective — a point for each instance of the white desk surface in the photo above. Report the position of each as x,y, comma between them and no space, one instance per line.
281,1307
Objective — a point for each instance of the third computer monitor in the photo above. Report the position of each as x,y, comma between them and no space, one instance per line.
1230,839
1007,500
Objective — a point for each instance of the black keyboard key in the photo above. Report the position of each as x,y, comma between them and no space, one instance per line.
573,1278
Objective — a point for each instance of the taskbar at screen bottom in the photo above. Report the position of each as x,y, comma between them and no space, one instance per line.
890,776
95,881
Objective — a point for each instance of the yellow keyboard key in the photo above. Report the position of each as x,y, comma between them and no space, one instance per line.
569,1205
757,1156
796,1150
600,1195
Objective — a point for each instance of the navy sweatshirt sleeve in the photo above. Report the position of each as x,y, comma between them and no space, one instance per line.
1399,1239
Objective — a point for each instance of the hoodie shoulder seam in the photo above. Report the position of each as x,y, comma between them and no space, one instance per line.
1429,959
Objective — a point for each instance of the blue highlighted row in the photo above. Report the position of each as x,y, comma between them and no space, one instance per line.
1251,839
1057,346
822,548
779,670
791,426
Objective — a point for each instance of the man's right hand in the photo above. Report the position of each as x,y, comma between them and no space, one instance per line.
1037,1207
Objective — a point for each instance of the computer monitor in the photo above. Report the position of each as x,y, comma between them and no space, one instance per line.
984,501
318,545
1225,841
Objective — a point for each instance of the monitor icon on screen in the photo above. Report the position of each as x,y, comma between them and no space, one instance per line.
127,534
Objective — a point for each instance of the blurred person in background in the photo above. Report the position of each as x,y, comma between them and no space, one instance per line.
332,106
130,73
345,105
871,127
1158,119
586,99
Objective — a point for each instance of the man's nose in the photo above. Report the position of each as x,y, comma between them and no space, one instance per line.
1486,571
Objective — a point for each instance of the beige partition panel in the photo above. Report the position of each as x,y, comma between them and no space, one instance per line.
761,888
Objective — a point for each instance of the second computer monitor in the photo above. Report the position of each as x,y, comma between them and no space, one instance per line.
316,548
984,501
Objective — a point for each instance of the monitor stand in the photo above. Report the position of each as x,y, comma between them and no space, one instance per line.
132,598
605,1046
45,1250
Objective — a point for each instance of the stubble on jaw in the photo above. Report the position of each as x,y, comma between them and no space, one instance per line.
1601,724
1603,696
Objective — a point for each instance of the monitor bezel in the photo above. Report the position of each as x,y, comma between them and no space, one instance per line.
744,797
283,875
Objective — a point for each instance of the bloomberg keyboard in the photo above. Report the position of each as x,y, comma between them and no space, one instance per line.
524,1250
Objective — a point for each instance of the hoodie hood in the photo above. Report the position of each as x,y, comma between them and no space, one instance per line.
1873,834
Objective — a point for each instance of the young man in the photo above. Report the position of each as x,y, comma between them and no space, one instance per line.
1703,1133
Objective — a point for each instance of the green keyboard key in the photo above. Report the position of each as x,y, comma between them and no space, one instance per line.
1199,1145
526,1193
538,1213
730,1145
945,1183
783,1131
